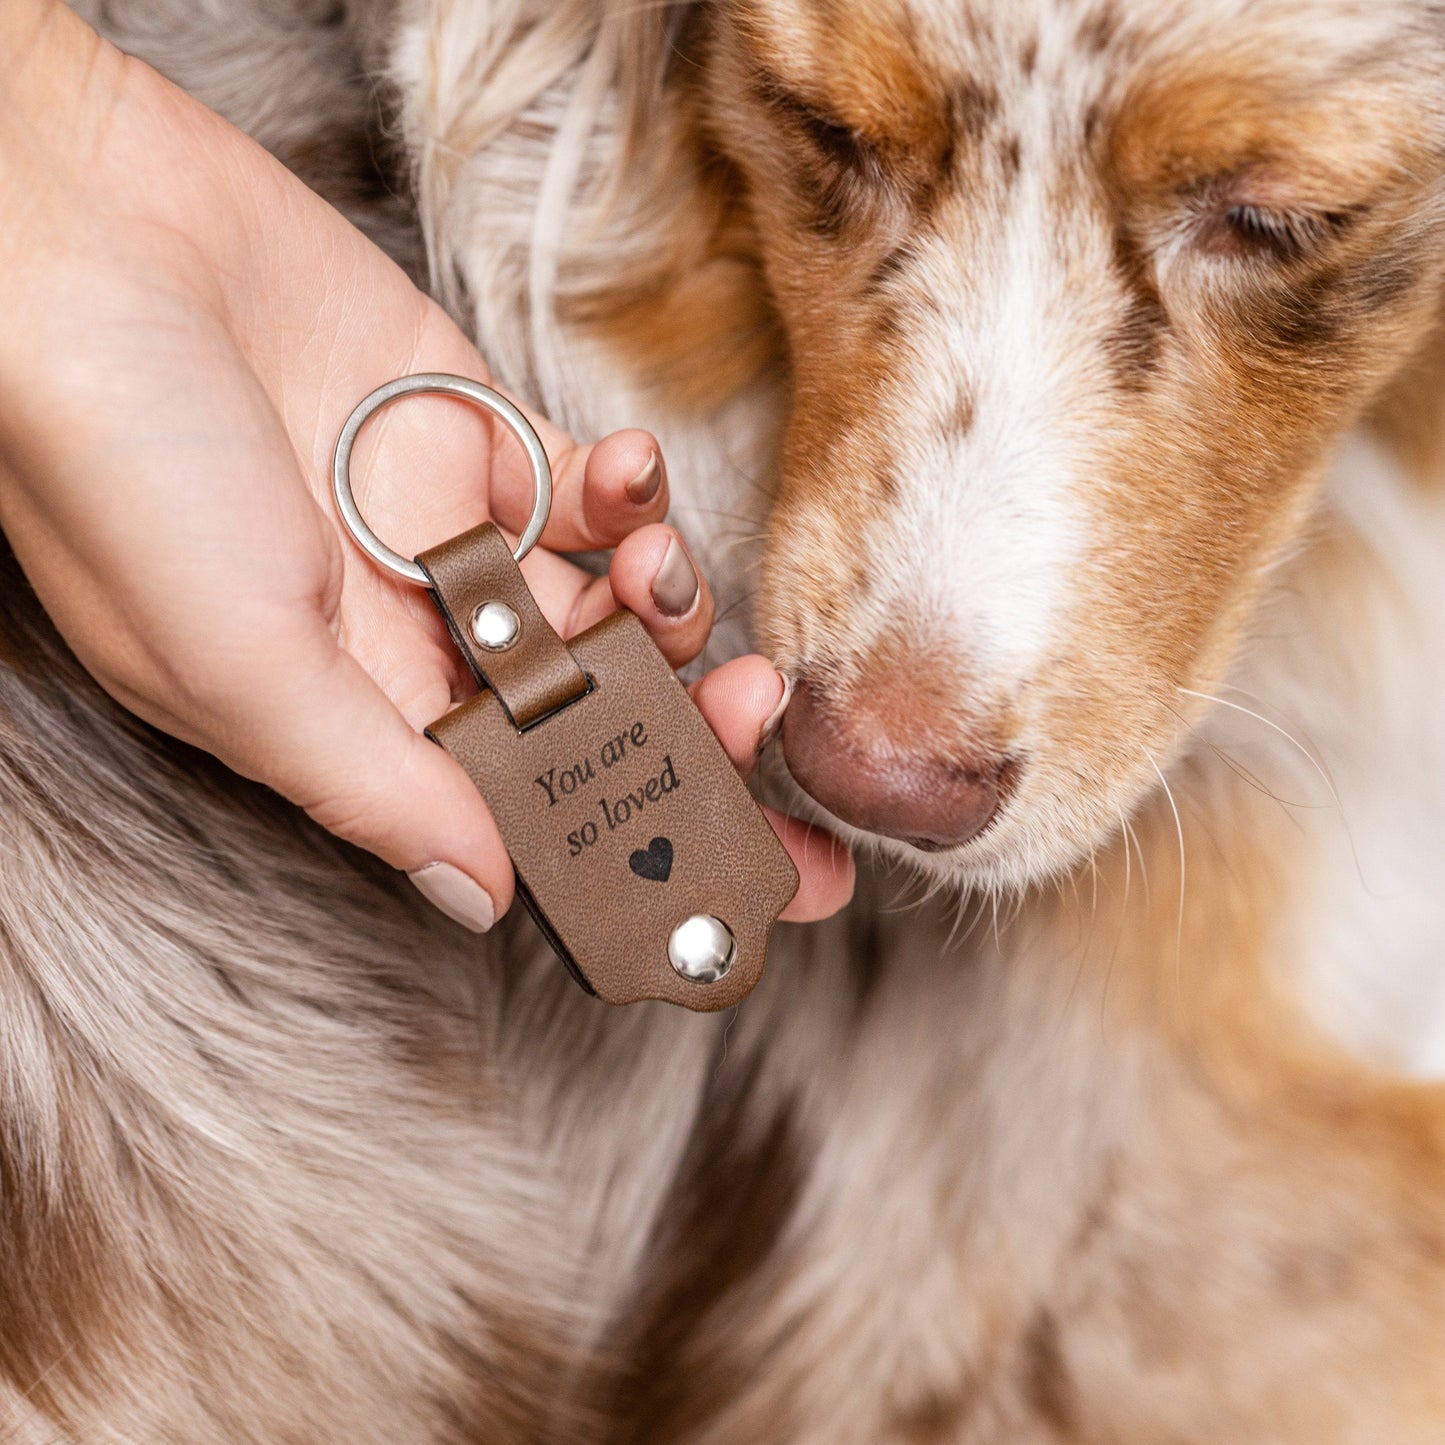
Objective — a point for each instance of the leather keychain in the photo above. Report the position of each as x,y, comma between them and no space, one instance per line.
638,848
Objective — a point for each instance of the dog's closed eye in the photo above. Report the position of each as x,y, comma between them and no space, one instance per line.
831,138
1249,215
1271,234
838,167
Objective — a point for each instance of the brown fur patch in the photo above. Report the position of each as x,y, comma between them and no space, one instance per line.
732,1198
698,324
1048,1387
1100,28
1134,345
938,1420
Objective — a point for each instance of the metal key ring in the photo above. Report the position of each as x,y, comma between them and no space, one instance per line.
429,383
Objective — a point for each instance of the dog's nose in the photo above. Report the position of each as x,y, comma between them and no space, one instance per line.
858,763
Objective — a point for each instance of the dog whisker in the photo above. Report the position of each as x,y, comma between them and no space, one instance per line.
1179,829
1315,762
1243,773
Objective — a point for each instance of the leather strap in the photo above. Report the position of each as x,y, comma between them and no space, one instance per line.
537,674
625,818
638,848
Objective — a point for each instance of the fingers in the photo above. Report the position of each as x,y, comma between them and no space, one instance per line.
652,574
600,493
825,868
431,466
388,789
348,757
607,491
743,702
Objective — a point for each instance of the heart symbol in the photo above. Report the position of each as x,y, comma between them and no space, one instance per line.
653,862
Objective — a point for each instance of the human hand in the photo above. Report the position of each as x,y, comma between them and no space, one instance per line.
187,326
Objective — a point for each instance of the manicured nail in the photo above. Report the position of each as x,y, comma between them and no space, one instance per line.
775,718
674,589
643,487
460,897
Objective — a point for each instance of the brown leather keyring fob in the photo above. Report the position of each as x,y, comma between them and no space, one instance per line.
639,850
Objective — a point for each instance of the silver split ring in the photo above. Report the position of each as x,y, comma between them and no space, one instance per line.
428,383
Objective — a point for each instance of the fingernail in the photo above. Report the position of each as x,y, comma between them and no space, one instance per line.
643,487
460,897
775,718
674,589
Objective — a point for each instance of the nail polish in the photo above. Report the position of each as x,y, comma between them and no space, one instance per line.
675,587
456,894
774,723
644,486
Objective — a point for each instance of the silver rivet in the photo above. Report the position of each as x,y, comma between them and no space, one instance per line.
702,948
495,626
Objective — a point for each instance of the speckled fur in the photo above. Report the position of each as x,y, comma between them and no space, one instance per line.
1125,1154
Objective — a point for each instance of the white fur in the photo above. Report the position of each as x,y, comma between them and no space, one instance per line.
989,532
1369,926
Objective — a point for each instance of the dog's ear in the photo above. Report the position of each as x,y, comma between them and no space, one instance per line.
570,200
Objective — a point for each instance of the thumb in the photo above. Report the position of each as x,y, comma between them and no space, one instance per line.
352,761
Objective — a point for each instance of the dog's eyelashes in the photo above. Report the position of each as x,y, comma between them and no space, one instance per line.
1286,233
839,142
1277,235
837,168
833,139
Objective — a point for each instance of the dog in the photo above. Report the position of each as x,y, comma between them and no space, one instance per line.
1054,388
